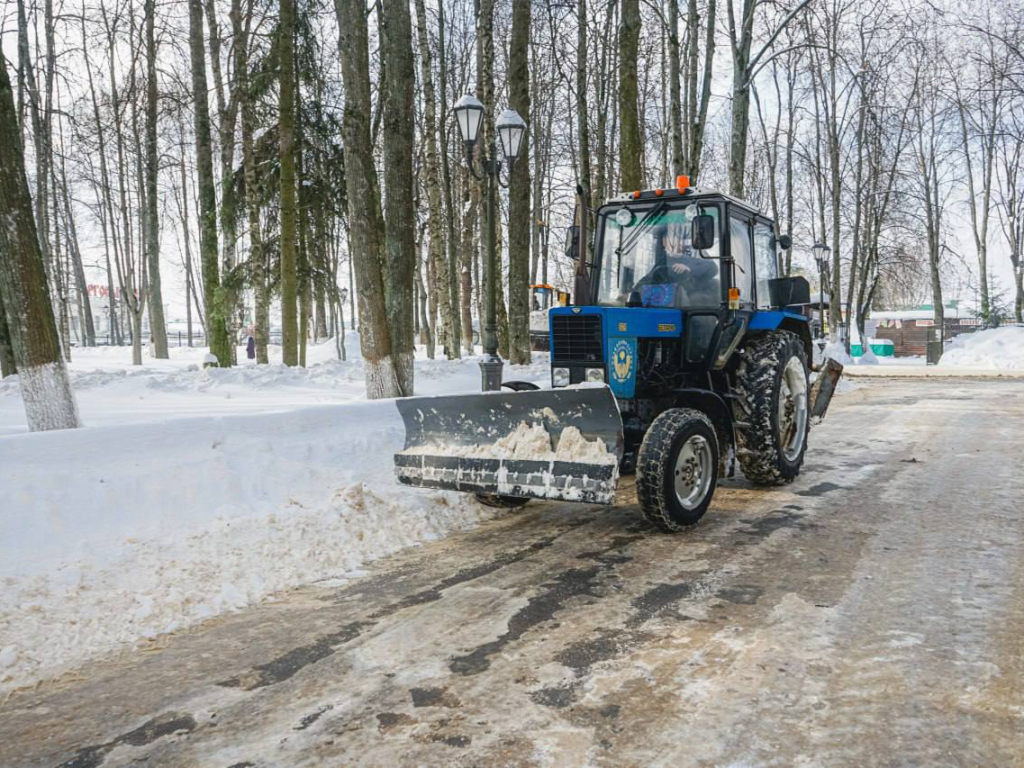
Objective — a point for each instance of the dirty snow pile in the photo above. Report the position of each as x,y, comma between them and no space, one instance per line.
158,517
998,348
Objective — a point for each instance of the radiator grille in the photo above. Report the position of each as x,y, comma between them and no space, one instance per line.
576,338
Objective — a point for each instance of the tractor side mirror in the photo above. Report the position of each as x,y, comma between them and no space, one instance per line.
785,242
703,235
572,241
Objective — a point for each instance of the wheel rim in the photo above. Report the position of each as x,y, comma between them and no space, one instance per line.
793,409
693,471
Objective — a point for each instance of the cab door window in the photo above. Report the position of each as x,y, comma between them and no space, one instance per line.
742,254
766,262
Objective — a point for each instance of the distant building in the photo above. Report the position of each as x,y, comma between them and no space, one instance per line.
910,330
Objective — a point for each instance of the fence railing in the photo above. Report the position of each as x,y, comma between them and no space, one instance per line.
174,339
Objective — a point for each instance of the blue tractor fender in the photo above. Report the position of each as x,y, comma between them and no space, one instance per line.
784,320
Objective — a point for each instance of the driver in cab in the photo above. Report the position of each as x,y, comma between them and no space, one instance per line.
680,276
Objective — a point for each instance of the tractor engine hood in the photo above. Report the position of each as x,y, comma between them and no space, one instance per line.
587,337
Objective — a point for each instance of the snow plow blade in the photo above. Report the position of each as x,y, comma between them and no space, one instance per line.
477,443
824,387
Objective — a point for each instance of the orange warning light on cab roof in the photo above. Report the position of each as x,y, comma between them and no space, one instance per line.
659,192
682,183
636,194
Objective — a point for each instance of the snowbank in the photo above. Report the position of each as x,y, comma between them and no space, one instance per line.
116,533
834,350
195,492
866,358
111,391
998,348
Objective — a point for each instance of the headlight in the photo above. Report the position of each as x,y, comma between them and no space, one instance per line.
560,377
595,374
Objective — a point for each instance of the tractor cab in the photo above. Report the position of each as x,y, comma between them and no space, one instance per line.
678,275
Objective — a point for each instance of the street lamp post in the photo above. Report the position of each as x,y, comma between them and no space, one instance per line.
821,252
511,128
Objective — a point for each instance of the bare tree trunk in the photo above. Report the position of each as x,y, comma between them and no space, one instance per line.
45,388
289,214
519,191
467,252
257,259
8,367
582,116
699,118
630,137
363,195
157,327
435,242
216,325
447,182
400,221
88,326
675,110
424,301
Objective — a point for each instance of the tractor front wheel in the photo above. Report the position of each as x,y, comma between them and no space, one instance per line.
677,469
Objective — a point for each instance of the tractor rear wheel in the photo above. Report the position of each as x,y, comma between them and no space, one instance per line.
677,469
774,405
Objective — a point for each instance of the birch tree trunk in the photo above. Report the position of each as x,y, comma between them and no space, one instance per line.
24,293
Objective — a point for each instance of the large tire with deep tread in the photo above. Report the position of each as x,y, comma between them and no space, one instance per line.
759,384
656,468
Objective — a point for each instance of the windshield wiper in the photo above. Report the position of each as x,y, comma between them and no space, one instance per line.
649,221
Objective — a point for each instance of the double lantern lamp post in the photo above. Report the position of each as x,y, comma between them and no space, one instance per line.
511,128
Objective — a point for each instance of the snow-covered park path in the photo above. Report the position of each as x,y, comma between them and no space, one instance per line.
870,613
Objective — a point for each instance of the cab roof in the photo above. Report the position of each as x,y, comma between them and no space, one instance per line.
674,193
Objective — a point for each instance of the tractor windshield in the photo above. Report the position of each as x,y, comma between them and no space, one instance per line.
645,258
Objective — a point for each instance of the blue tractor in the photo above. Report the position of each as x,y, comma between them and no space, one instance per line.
685,355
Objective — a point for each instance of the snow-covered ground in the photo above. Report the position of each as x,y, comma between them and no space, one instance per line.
192,492
110,390
998,352
998,348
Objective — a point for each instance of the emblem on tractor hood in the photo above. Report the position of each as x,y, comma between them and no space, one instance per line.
576,310
622,360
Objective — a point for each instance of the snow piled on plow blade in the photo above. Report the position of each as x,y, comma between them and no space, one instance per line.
548,444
